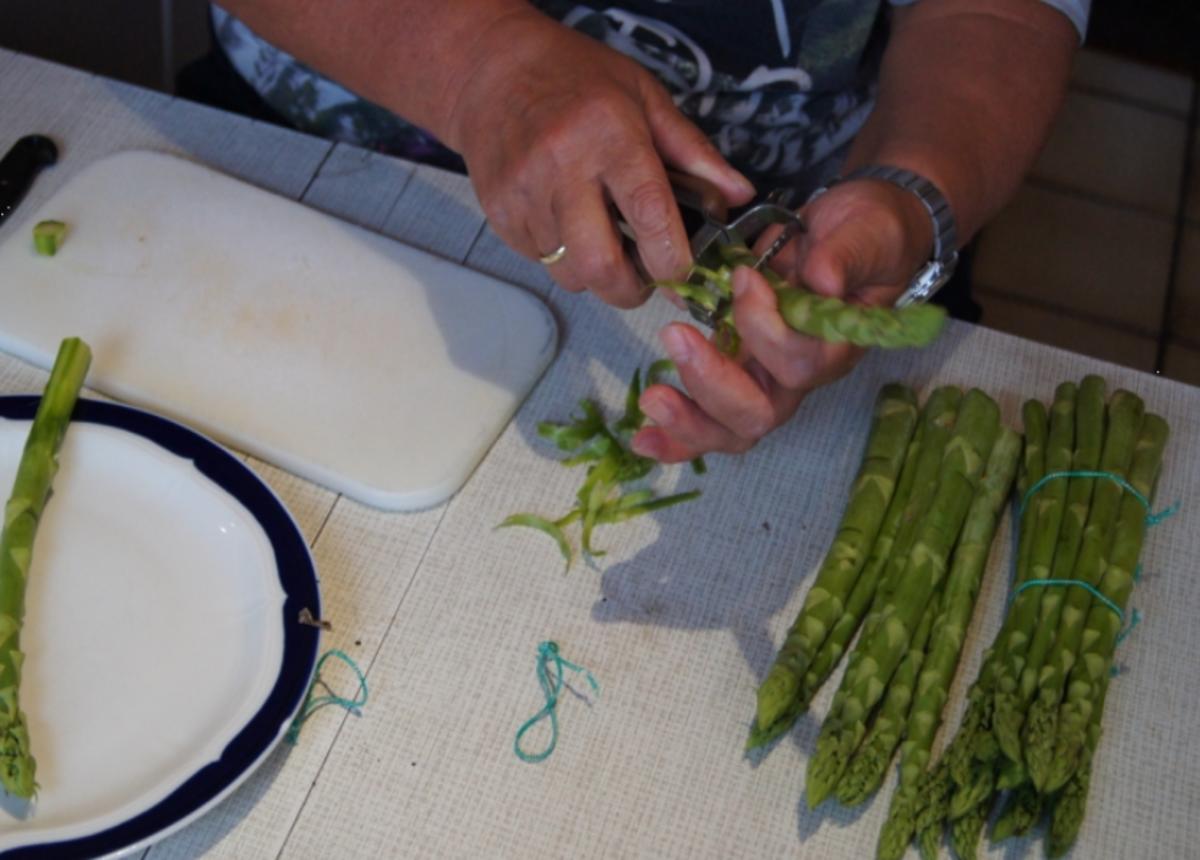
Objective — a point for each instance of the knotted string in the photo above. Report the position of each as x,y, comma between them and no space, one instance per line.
1152,519
549,657
315,703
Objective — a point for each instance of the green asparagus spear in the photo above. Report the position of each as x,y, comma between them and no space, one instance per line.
1021,812
892,427
1125,416
1089,437
962,589
868,767
1070,803
865,681
1008,706
1090,671
31,489
966,830
824,317
1033,468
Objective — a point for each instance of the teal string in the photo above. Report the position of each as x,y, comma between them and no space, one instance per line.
1086,586
1152,519
1134,620
549,657
313,703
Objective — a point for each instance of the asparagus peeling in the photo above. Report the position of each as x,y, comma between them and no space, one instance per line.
611,465
22,513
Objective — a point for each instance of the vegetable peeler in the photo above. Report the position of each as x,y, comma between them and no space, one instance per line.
706,218
712,242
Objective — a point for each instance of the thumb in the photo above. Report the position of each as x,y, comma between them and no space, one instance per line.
854,254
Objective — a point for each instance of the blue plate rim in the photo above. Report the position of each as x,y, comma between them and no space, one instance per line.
298,579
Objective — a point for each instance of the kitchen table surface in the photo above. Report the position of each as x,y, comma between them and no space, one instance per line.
678,622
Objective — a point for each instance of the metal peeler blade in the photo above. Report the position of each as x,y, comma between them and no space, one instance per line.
709,242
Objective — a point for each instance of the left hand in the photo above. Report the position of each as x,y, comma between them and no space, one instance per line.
865,240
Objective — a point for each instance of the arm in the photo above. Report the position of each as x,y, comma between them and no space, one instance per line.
968,92
555,128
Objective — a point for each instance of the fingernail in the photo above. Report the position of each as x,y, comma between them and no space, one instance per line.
646,446
659,410
744,184
677,345
741,282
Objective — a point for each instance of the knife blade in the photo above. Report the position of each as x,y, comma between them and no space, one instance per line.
20,166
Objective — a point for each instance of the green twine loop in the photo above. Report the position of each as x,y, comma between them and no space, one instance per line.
1135,617
1152,519
313,704
1086,586
548,656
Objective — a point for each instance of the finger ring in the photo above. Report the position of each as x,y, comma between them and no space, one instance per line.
554,256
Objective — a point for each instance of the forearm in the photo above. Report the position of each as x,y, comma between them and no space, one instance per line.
410,56
968,92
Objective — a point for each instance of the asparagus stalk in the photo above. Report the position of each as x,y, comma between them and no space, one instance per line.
1090,672
1021,812
868,767
865,681
824,317
1071,802
962,589
31,489
1125,416
966,830
1008,706
892,427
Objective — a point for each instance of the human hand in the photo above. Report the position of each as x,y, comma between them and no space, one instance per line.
865,239
555,127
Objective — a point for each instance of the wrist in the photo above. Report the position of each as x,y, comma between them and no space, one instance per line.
510,36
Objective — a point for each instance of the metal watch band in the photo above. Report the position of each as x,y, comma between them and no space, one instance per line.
940,267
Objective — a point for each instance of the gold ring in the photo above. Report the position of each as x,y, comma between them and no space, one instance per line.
554,256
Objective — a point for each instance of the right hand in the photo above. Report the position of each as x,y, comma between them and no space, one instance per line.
555,127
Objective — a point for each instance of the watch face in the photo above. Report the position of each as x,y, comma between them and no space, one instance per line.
929,279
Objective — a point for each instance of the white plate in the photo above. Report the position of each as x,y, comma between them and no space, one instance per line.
164,657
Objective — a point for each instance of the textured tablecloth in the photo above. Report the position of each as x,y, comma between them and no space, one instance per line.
678,622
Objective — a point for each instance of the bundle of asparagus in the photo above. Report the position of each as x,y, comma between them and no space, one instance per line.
918,529
1033,717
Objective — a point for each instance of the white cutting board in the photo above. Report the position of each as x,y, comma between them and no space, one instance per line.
351,359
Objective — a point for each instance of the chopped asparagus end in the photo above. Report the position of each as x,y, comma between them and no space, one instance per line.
48,237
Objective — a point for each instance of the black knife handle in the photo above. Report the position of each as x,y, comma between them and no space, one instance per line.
21,166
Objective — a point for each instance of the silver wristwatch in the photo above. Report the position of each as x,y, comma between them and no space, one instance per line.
934,274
